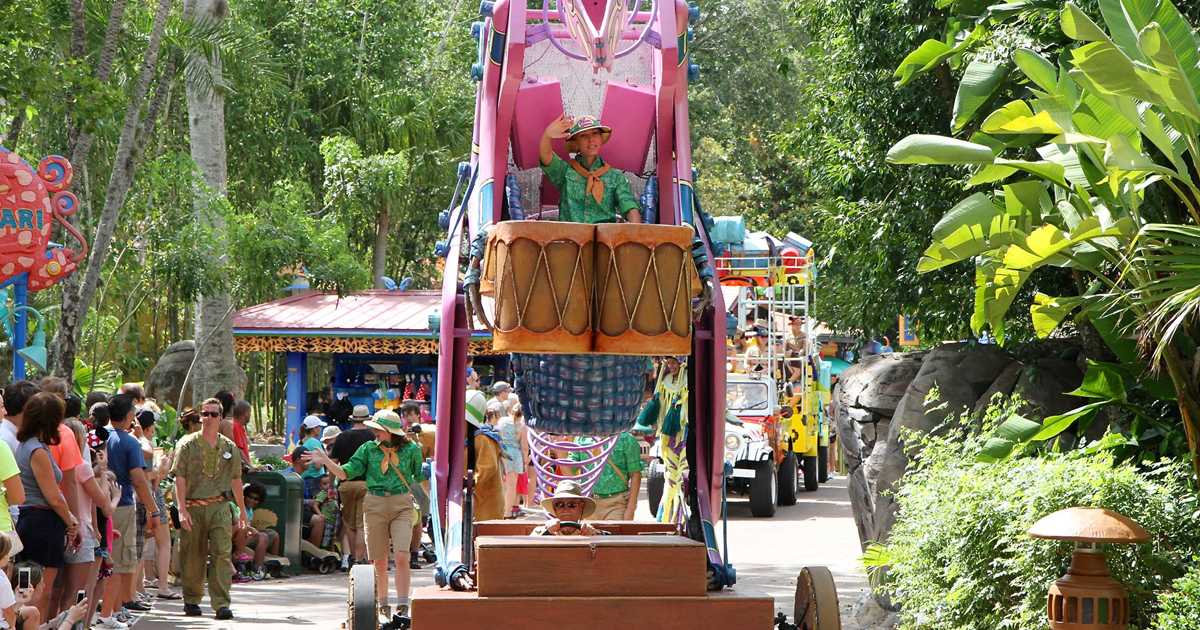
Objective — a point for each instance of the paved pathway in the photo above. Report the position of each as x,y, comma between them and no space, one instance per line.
768,554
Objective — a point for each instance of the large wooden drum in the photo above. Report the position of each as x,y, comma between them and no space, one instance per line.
541,275
645,282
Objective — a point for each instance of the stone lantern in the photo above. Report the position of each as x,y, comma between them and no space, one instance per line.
1087,598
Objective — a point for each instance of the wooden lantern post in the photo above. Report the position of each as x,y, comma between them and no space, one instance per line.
1087,597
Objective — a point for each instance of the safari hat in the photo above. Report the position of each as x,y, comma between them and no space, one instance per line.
501,386
584,124
386,420
568,489
330,433
361,412
476,407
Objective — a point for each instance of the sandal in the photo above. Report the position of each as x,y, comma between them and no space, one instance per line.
169,595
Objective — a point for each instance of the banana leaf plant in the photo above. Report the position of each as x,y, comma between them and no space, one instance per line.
1093,171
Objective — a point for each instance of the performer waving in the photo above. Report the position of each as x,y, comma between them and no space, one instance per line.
591,191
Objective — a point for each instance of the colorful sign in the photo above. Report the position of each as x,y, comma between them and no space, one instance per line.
31,202
908,334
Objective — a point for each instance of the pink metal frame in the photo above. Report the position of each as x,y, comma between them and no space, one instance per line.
505,37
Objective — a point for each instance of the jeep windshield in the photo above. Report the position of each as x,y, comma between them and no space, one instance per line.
747,396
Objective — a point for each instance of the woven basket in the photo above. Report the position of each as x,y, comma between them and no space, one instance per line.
580,394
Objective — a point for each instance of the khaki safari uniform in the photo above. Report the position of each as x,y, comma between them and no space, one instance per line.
209,472
489,479
599,197
612,488
388,512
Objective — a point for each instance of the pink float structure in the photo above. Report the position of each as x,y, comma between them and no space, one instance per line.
629,65
32,201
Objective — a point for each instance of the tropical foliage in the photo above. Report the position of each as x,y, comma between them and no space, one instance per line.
959,556
1091,172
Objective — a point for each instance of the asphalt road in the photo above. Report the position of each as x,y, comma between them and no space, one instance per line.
768,555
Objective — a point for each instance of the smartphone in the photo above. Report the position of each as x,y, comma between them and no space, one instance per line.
80,595
23,580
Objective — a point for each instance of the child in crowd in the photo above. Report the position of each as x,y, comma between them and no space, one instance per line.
15,614
26,617
327,504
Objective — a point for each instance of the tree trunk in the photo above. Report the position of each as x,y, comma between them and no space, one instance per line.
1188,394
216,366
379,255
77,301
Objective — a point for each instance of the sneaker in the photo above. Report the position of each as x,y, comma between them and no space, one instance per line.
414,562
192,610
139,606
259,575
110,623
224,613
126,617
385,611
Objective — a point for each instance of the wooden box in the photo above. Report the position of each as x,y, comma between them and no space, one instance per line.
516,527
590,566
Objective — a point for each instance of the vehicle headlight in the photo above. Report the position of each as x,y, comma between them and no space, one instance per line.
732,442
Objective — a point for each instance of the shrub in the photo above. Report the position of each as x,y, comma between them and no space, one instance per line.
1179,608
959,557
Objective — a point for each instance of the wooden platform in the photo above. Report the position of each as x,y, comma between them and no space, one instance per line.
437,609
590,566
515,527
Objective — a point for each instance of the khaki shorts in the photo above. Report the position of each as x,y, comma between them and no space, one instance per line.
352,493
388,521
611,508
124,548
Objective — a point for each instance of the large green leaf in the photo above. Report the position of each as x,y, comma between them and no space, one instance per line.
1037,68
1171,81
1120,25
1012,432
931,52
1048,312
974,225
1119,153
1046,170
1040,123
996,286
1047,244
1103,381
931,149
1180,36
979,82
1078,26
1054,425
1111,71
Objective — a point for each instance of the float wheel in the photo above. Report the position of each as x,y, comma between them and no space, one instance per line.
362,614
817,600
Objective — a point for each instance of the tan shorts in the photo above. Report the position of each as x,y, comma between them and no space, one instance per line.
388,522
352,493
611,508
124,548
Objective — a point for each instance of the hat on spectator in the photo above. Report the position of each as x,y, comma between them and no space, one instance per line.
330,432
476,407
361,412
501,386
386,420
568,489
312,422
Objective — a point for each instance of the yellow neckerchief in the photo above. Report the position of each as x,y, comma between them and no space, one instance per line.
595,187
390,458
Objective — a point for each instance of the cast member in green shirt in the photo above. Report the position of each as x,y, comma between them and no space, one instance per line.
391,463
616,490
590,191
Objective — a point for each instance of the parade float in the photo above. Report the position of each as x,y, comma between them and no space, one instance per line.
582,307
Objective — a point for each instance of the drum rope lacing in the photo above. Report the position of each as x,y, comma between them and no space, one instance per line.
667,312
543,262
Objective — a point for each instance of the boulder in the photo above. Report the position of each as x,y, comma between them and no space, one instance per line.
865,398
168,374
961,373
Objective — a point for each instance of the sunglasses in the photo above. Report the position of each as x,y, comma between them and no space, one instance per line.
210,414
566,505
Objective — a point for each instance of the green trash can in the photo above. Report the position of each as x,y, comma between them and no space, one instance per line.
285,494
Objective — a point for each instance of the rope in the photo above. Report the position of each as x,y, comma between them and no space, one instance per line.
545,465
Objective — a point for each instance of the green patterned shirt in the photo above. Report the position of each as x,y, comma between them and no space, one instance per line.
369,456
576,205
626,456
